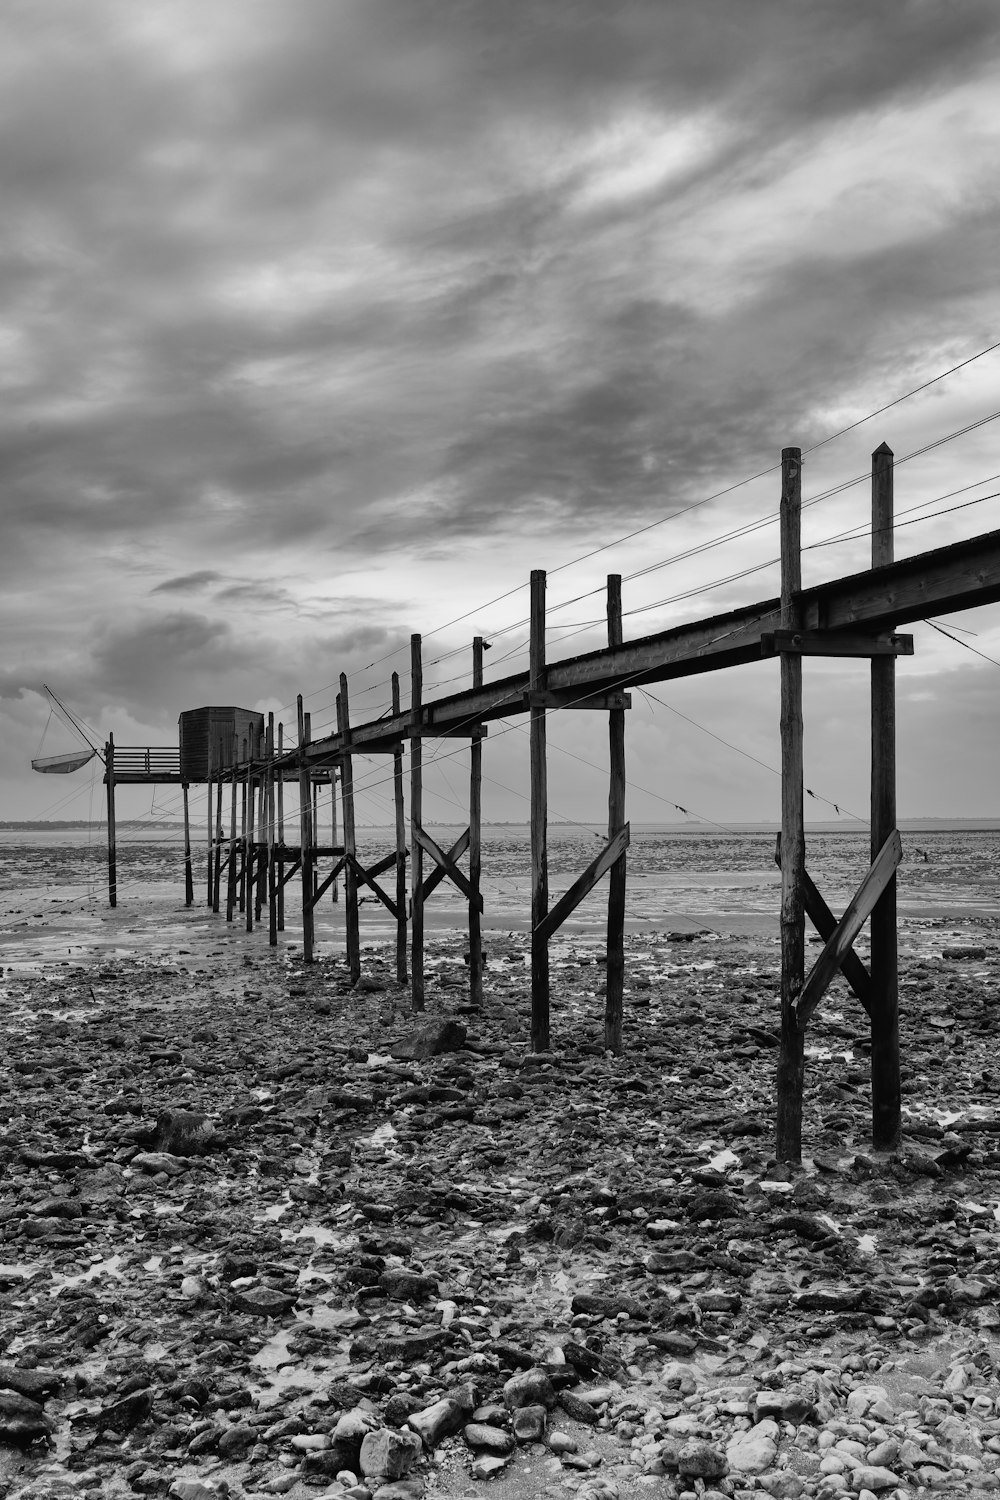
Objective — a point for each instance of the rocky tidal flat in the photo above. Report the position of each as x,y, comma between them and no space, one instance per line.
265,1234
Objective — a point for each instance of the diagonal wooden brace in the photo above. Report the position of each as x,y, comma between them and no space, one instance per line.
367,877
825,924
858,911
321,890
436,876
570,900
447,866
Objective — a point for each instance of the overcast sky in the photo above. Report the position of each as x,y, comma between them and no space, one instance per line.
325,321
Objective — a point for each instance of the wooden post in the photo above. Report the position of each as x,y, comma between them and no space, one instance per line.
244,791
353,929
272,865
397,794
539,822
217,867
791,1057
209,778
335,883
250,846
188,870
109,764
281,830
416,821
475,841
613,1004
886,1094
305,840
231,867
261,859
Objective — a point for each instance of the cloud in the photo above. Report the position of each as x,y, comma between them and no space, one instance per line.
188,583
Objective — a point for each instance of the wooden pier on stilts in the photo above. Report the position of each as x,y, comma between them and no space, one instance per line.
856,616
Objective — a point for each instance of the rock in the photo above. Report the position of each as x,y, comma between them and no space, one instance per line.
828,1299
184,1132
22,1420
388,1453
483,1435
437,1421
488,1466
407,1286
122,1416
789,1405
195,1489
158,1161
574,1406
263,1301
35,1384
700,1460
235,1441
874,1478
431,1041
529,1424
529,1388
714,1205
752,1452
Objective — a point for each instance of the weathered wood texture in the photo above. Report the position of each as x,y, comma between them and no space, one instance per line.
584,884
109,782
791,1059
856,913
400,811
351,912
886,1090
188,871
305,842
539,822
416,818
475,843
825,924
616,824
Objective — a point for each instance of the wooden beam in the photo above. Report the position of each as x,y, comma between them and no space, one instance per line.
188,871
365,877
416,818
325,885
856,914
232,873
886,1091
280,798
568,698
614,998
459,732
539,823
447,866
834,643
825,924
960,576
439,872
791,1057
272,864
583,885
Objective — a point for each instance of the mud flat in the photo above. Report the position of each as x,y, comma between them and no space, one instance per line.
259,1236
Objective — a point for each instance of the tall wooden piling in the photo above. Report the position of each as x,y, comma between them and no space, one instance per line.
475,840
351,914
109,766
261,865
280,799
209,841
306,840
249,846
613,1004
886,1093
539,819
397,797
217,863
188,871
416,822
791,1058
335,882
231,870
272,863
244,791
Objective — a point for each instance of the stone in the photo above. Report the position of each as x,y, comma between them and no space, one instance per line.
873,1477
389,1453
122,1416
700,1460
754,1451
235,1441
22,1421
431,1041
483,1435
263,1301
789,1405
529,1388
574,1406
438,1421
158,1161
407,1286
35,1384
529,1424
185,1132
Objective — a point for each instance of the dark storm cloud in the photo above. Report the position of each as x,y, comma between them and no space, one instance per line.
457,324
188,583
